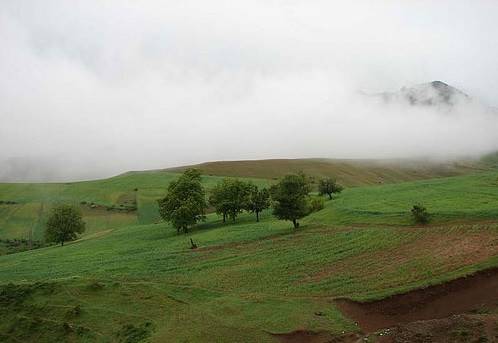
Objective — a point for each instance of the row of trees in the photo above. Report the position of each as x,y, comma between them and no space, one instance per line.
232,196
185,202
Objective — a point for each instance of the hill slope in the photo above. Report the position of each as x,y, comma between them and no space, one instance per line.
249,281
347,172
126,199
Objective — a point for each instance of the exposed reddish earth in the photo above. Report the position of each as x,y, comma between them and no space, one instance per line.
301,336
454,329
476,292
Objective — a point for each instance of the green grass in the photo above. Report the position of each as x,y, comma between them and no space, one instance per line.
34,201
471,197
247,279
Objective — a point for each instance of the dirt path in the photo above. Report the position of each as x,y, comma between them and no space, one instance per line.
476,292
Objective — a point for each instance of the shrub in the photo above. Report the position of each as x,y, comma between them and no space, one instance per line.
316,204
420,214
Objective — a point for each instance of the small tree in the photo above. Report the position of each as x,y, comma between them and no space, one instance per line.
290,197
420,214
64,224
259,200
219,200
185,202
329,186
316,204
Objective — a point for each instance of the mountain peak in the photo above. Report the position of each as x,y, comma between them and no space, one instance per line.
434,93
439,84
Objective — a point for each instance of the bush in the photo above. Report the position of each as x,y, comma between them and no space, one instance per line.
316,204
420,214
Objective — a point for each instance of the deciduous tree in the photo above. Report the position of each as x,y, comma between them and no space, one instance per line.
290,198
185,202
259,200
230,197
329,186
64,224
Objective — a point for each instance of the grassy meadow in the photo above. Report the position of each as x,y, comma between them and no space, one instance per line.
140,190
138,281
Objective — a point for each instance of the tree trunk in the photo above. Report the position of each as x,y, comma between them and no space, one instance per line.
224,217
296,224
62,243
330,196
185,229
257,216
177,230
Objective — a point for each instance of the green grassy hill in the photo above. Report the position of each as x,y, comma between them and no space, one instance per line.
104,203
248,280
348,172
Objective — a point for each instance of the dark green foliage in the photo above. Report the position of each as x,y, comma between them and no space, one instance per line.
329,186
316,204
130,333
11,294
185,203
74,311
290,197
420,214
11,246
219,200
7,202
95,286
230,197
64,224
259,200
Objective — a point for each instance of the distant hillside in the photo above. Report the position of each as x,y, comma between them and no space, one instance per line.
347,172
491,159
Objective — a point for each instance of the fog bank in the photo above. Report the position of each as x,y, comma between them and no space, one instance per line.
91,89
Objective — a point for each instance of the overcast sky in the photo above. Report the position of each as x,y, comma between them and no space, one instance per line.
94,88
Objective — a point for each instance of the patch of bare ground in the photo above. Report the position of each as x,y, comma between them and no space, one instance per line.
306,336
457,328
476,292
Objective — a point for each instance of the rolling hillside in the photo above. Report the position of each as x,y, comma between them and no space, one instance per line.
130,198
348,172
122,200
252,281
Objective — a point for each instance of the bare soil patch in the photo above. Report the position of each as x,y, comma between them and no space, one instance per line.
472,293
306,336
458,328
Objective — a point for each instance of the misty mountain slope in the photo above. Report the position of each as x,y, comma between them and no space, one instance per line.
435,93
347,172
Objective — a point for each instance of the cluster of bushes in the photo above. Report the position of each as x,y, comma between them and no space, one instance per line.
19,244
185,202
121,207
7,202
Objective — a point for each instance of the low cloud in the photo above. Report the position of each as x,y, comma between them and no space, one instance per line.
91,89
